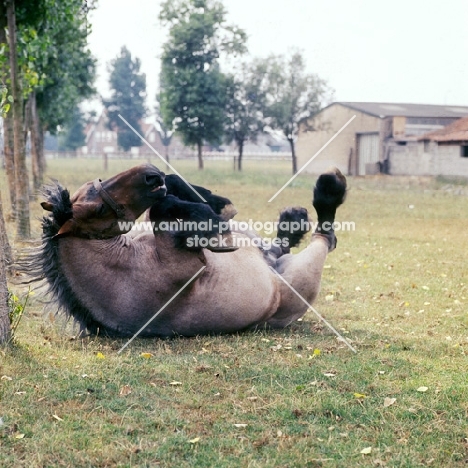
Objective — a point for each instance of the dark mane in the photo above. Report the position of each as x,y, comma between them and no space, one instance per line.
43,263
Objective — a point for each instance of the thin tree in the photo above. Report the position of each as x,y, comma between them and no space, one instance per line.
128,96
193,88
21,171
292,95
166,132
245,102
4,310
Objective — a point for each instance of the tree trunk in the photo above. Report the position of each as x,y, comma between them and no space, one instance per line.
240,145
4,311
166,153
8,145
7,121
293,156
8,255
200,156
21,172
37,145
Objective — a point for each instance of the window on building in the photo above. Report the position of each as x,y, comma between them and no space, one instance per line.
464,151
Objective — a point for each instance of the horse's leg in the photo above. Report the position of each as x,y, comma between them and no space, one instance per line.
220,205
303,271
193,225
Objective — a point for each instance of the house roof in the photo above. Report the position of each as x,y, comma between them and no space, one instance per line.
387,109
456,131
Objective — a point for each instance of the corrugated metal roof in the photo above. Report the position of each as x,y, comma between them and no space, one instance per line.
387,109
456,131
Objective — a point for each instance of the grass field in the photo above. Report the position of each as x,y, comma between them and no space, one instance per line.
396,287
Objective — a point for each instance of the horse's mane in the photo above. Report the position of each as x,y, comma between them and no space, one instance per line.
43,262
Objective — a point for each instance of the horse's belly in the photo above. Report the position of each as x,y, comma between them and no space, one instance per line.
236,291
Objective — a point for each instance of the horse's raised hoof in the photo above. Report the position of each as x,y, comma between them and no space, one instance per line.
329,194
329,191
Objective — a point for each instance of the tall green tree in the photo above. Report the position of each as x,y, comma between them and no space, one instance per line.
245,103
165,132
21,171
67,68
193,88
53,71
128,96
292,95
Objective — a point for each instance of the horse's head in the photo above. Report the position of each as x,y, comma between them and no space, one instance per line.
101,208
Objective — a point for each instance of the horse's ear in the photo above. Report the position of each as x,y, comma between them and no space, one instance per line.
66,229
47,206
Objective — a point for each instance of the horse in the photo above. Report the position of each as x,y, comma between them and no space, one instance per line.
113,282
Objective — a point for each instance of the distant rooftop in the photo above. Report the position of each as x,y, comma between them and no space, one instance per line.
387,109
456,131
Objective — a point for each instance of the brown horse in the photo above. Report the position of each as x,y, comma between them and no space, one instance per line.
112,283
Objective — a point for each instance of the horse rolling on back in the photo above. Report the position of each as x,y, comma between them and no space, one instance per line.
114,282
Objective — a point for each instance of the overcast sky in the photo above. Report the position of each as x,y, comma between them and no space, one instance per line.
410,51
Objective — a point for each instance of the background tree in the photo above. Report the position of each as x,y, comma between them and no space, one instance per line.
128,98
193,87
6,113
245,102
68,70
292,95
55,70
166,131
21,171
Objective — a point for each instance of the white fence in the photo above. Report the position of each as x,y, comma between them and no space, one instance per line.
207,156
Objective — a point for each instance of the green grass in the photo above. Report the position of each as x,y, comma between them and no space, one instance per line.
396,286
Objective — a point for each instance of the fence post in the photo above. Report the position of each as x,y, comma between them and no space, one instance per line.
106,165
235,161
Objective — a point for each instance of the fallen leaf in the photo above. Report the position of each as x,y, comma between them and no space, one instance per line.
366,450
359,396
146,355
389,402
125,390
329,374
194,441
174,383
240,425
19,436
58,418
5,377
422,389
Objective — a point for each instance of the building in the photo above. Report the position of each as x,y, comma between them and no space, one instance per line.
440,152
100,140
372,142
